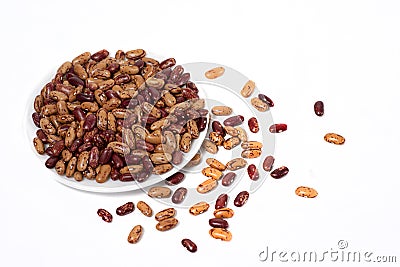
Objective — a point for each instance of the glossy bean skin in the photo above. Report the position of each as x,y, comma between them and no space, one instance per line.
179,195
228,179
266,100
221,233
125,209
241,199
199,208
218,223
221,201
135,234
212,173
38,144
51,162
166,224
189,245
214,163
231,143
144,208
218,128
334,138
253,172
224,213
306,192
279,172
207,186
215,73
164,214
268,163
175,179
105,215
278,128
253,125
103,174
234,120
319,109
216,138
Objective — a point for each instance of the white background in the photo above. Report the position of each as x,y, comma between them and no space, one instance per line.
345,53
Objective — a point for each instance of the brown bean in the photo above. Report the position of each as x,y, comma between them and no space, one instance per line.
199,208
207,186
102,117
334,138
319,108
252,145
189,245
185,142
221,202
228,179
196,160
125,209
159,192
232,131
259,104
66,155
216,138
236,164
62,108
248,89
105,215
132,169
234,120
144,208
78,176
167,224
266,100
82,162
214,73
64,67
223,213
177,157
253,125
209,146
251,153
70,136
167,63
71,166
242,134
119,147
218,223
38,144
279,172
221,233
162,168
103,174
221,110
47,127
212,173
135,54
231,143
192,129
268,163
175,179
179,195
81,59
160,158
60,167
217,127
307,192
135,234
165,214
214,163
253,172
278,128
131,70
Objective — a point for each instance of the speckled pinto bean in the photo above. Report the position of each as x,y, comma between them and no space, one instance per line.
248,89
209,146
199,208
166,224
144,208
224,213
231,143
251,153
266,100
252,145
165,214
221,233
236,164
105,215
307,192
218,128
159,192
212,173
135,234
334,138
215,73
221,110
207,186
214,163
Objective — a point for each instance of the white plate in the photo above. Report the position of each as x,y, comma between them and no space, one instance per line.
91,185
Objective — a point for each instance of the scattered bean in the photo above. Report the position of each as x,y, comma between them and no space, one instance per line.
221,201
228,179
135,234
248,89
307,192
319,108
166,224
221,233
253,125
144,208
218,223
199,208
334,138
125,209
215,72
105,215
279,172
223,213
159,192
268,163
179,195
221,111
278,128
189,245
165,214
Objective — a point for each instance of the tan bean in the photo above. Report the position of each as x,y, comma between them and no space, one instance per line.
259,104
221,111
135,234
102,116
160,158
251,153
212,173
80,71
66,66
46,126
131,169
334,138
307,192
128,138
159,192
100,97
83,160
38,103
231,142
66,155
252,145
132,70
60,167
90,106
71,166
236,164
49,109
111,122
214,163
81,59
79,130
112,104
192,129
104,85
223,213
119,147
120,113
78,176
194,161
163,123
207,186
209,146
166,224
62,108
221,233
165,214
215,73
70,136
185,143
155,83
169,99
170,139
199,208
90,173
248,88
38,144
241,134
104,173
144,208
162,168
232,131
198,104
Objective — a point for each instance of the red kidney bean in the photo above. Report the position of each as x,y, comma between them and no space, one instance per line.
122,78
51,162
319,108
105,215
58,147
113,68
82,97
279,172
278,128
192,86
85,147
217,127
115,174
117,160
266,100
189,245
177,157
90,122
139,63
79,114
88,137
36,119
112,94
99,141
105,155
169,62
201,123
234,120
241,199
132,159
49,151
228,179
76,81
221,202
203,112
183,79
176,73
179,195
268,163
42,136
94,156
188,93
125,209
127,177
77,143
100,55
142,176
175,179
253,172
253,125
218,223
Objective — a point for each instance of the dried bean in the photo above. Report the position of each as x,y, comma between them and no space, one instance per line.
221,111
165,214
199,208
144,208
179,195
307,192
221,233
253,125
207,186
268,163
234,120
105,215
212,173
319,108
241,199
214,163
125,209
166,224
266,100
135,234
214,73
334,138
278,128
223,213
251,153
248,89
189,245
253,172
159,192
279,172
221,201
218,223
175,179
228,179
